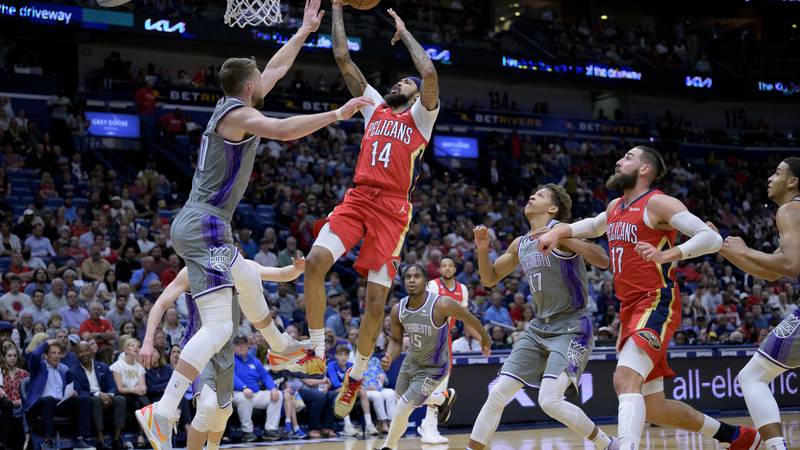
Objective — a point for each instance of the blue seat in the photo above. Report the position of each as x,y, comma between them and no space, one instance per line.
20,190
300,288
265,209
271,287
80,201
53,202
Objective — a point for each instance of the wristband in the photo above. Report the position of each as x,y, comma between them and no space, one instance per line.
339,114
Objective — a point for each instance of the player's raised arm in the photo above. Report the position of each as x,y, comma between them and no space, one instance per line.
446,307
353,77
164,301
589,228
395,339
283,59
253,122
429,94
281,274
492,273
665,212
591,252
784,262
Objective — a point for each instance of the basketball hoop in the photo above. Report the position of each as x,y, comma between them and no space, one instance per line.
253,12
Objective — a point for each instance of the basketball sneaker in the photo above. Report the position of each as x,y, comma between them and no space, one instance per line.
347,396
429,434
157,428
747,439
308,365
444,408
294,352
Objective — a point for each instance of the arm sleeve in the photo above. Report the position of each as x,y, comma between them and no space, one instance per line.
703,240
590,228
376,97
425,119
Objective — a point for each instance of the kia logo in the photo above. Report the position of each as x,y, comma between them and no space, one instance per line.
699,82
164,26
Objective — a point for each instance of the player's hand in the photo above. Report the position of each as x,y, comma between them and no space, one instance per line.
548,241
398,24
711,225
481,237
248,393
649,253
146,355
733,245
354,105
386,362
299,262
312,16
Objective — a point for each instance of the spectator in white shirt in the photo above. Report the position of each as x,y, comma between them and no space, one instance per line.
466,343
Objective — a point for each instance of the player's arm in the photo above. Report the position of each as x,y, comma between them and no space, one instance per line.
395,339
281,274
665,212
589,228
492,273
164,301
591,252
353,77
283,59
255,123
429,95
446,307
784,262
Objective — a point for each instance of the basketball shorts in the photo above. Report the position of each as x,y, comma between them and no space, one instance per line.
201,234
651,321
782,345
547,350
416,383
378,218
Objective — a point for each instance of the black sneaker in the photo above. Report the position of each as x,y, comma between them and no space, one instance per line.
444,408
248,437
271,435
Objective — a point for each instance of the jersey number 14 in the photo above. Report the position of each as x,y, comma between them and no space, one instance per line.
384,155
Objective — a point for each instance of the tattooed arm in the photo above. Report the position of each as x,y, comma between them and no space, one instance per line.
353,77
429,95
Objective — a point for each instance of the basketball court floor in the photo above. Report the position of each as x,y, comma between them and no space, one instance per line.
542,439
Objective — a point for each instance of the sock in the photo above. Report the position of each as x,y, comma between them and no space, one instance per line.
318,342
776,443
367,419
277,341
601,441
177,386
437,398
359,367
212,446
710,426
631,421
296,429
347,422
726,432
399,423
431,416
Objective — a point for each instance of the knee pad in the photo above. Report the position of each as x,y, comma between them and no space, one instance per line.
502,392
206,410
251,291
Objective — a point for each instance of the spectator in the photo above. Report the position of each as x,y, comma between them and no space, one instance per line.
107,286
497,312
172,124
336,373
39,244
254,388
287,303
120,312
46,390
129,378
72,315
97,328
145,100
265,256
39,282
499,338
171,327
13,302
141,278
466,343
127,264
247,243
382,398
342,321
37,309
286,255
94,380
94,267
10,398
157,377
143,241
9,242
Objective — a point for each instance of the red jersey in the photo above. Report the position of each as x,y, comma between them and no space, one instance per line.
459,293
634,277
391,150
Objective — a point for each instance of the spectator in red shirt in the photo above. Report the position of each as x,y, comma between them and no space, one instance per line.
172,124
145,100
97,328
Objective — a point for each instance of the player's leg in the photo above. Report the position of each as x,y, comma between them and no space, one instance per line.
551,399
755,379
209,419
429,428
633,367
489,417
254,305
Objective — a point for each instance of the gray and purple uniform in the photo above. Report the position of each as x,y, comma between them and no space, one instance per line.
201,232
559,338
427,363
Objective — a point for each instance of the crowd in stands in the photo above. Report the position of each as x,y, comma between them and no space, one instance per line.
85,252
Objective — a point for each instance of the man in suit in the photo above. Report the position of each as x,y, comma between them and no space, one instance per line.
93,380
48,377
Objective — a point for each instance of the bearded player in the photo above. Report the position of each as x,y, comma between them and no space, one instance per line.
780,351
554,351
444,286
641,227
378,210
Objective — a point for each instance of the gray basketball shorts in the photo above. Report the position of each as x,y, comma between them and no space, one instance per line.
203,239
564,347
782,345
416,383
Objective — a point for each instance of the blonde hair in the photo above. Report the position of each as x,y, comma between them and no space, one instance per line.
36,340
235,72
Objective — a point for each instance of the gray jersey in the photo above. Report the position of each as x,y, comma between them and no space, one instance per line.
223,167
558,282
429,343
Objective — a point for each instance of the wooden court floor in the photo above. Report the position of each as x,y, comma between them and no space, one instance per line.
543,439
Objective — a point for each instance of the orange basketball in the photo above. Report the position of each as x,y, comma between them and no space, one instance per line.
362,4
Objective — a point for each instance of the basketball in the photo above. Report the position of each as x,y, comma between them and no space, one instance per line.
111,3
363,4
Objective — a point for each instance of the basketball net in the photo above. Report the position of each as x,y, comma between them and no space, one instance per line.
253,12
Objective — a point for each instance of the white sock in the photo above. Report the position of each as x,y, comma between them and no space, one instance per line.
212,446
776,443
399,423
431,416
367,419
177,386
601,441
277,341
436,399
318,342
631,421
359,367
710,426
347,422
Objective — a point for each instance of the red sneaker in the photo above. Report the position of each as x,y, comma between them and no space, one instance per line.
347,396
748,439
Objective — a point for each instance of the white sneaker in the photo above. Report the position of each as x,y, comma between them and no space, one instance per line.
349,430
430,435
371,430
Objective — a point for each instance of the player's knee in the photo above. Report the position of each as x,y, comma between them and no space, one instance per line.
318,263
550,403
497,399
626,380
220,419
374,306
752,373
